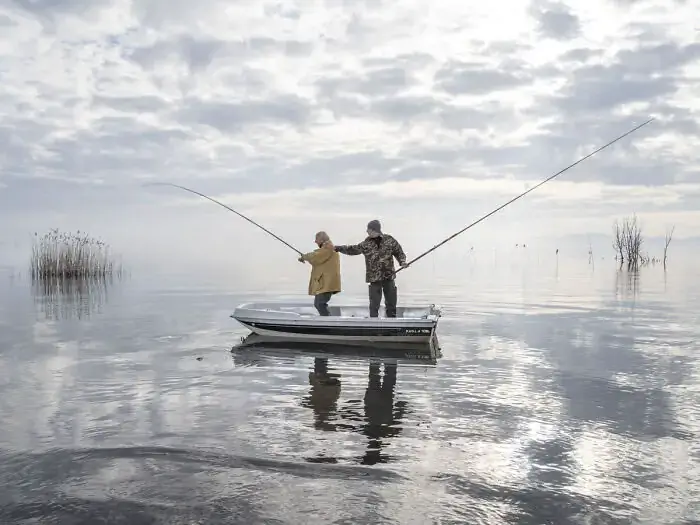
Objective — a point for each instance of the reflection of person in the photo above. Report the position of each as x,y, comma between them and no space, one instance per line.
381,416
379,250
324,394
380,411
324,281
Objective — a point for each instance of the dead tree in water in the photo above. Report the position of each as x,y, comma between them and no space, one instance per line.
627,242
619,241
634,240
667,241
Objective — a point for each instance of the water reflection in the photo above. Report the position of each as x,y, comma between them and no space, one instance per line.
378,415
382,415
551,474
545,409
617,381
627,283
259,350
605,377
71,297
323,395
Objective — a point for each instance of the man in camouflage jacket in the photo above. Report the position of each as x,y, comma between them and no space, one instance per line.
379,250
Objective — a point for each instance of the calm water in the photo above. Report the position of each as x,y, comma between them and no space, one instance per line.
569,395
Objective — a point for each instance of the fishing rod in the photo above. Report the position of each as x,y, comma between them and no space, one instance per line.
522,195
228,208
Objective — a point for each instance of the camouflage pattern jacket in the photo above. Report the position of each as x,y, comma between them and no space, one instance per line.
379,253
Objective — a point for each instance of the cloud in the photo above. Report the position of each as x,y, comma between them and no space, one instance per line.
480,78
648,74
60,7
199,54
555,20
343,109
236,117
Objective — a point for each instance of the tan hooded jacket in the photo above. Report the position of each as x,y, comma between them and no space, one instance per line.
325,269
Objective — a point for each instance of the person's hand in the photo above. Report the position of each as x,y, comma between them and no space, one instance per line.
403,265
301,259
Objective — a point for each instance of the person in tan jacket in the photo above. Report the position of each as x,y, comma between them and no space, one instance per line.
324,281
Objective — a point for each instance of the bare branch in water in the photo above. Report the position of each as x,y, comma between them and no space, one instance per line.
628,241
667,241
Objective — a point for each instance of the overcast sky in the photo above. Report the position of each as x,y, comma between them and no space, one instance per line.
312,115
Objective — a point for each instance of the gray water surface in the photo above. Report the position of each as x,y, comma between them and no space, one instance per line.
560,397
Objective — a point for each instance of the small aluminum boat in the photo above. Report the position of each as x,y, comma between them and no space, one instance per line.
300,321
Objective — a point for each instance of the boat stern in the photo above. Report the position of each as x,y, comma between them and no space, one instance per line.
434,312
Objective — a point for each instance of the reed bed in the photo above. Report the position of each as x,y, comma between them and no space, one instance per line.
66,255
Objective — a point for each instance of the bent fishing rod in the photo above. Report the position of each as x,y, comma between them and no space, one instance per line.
522,195
228,208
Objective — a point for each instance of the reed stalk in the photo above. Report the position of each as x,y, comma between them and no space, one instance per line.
66,255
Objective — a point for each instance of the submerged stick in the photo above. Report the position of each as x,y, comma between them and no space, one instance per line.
228,208
522,195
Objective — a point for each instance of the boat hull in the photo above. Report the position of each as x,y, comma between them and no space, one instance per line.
296,322
342,333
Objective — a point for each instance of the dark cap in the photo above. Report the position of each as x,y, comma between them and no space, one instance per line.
374,225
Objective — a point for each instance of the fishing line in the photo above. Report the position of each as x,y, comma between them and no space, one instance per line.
409,263
228,208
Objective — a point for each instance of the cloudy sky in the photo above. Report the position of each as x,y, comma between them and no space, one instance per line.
324,114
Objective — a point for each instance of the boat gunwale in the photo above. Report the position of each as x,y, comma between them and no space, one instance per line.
387,322
255,313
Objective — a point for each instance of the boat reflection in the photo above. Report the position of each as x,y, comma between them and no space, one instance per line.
256,349
378,415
